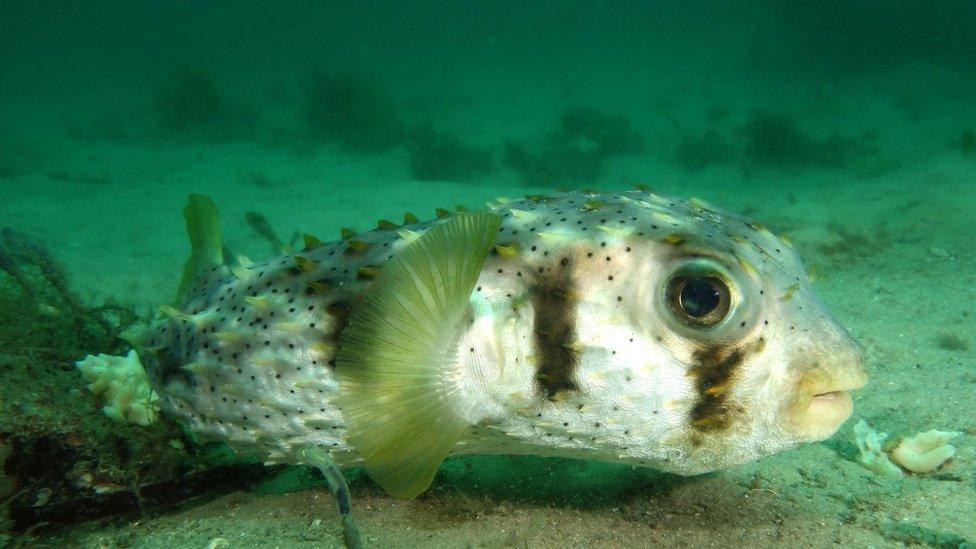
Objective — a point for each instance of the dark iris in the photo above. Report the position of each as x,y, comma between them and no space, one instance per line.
699,300
700,297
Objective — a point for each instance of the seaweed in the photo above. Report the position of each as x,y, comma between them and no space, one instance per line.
577,150
18,251
188,100
438,156
606,135
39,314
697,152
49,451
775,140
354,111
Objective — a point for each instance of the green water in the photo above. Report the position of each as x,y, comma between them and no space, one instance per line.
849,127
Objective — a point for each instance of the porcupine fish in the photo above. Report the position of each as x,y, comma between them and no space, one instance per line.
626,327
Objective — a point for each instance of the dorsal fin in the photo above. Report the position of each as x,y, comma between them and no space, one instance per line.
392,355
206,251
311,242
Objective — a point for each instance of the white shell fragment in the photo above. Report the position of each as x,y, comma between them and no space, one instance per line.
925,452
919,453
872,456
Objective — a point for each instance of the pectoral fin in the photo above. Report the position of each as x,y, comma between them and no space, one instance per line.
393,353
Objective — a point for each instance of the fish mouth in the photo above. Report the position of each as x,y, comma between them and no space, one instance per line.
838,393
830,396
817,412
831,404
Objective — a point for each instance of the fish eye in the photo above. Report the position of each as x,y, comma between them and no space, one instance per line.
699,300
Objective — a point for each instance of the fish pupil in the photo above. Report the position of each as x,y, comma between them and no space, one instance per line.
699,297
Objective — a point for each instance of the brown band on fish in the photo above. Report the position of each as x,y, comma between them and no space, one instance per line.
713,373
338,311
554,328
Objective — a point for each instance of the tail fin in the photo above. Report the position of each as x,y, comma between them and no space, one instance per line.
206,251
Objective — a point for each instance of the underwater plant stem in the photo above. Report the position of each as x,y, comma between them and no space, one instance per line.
340,491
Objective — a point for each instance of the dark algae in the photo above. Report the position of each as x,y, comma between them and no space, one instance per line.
188,101
354,111
576,151
435,155
54,459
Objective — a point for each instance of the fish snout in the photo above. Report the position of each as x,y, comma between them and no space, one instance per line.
825,376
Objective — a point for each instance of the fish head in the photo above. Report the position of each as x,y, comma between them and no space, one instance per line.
706,347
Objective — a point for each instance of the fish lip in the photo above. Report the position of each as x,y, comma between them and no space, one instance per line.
819,410
819,417
844,386
834,403
836,392
830,395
